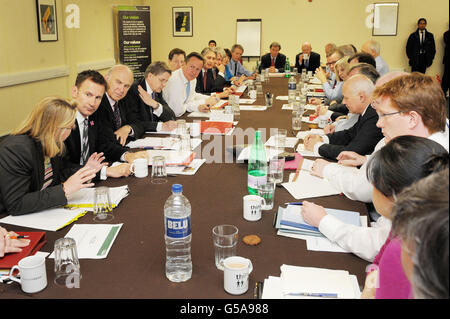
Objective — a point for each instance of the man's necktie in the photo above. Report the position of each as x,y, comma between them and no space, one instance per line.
235,68
188,90
117,119
85,143
154,96
273,61
306,63
204,81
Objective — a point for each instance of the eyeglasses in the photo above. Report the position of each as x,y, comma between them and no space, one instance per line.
381,115
330,63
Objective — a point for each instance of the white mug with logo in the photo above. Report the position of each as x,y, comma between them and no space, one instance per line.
252,207
139,167
322,121
236,271
33,277
195,129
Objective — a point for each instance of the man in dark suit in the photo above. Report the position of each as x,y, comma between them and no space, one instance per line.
119,119
209,81
274,60
420,48
307,59
85,139
364,135
145,96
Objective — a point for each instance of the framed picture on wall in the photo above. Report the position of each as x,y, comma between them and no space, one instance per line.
385,19
182,22
46,20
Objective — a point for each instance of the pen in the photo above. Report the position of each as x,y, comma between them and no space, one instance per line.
294,203
18,237
153,147
312,294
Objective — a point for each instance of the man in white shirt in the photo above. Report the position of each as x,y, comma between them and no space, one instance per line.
373,48
408,105
179,92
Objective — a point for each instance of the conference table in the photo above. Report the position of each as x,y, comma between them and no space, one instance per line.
135,265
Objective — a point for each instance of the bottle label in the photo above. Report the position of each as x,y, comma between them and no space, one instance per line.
292,86
254,181
178,227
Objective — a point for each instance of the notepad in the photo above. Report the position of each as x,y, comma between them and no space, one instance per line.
252,107
85,197
172,157
301,150
50,219
309,186
290,142
270,152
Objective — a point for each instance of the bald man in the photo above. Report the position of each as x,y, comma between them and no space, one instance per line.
363,136
118,118
307,59
373,48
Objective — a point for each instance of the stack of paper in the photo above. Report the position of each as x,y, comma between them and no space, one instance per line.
190,169
309,186
290,142
50,219
239,90
171,157
290,107
252,107
307,282
301,150
85,197
174,131
303,134
270,152
162,143
246,101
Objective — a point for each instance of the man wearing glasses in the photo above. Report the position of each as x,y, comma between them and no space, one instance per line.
332,88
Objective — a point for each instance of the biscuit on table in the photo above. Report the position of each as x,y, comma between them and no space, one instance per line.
251,240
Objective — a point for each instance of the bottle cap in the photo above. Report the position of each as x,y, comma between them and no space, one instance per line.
177,188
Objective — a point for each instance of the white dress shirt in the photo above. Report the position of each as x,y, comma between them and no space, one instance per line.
80,120
175,94
382,66
364,242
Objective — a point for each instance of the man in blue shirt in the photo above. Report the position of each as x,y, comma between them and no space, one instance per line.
235,66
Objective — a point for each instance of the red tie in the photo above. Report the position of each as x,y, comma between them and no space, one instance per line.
273,61
204,80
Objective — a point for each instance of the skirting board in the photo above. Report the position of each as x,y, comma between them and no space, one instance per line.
33,76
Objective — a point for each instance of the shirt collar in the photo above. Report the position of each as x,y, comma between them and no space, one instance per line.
183,78
111,101
80,118
149,90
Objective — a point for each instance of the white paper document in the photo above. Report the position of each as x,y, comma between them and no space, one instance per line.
50,219
190,169
171,157
303,134
174,131
93,241
252,107
85,197
290,107
309,186
163,143
301,150
198,114
290,142
270,152
307,120
247,101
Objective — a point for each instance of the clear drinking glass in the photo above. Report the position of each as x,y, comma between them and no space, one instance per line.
159,175
102,205
67,265
267,191
225,238
276,169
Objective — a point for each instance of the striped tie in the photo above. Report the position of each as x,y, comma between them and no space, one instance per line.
117,119
48,173
188,90
85,144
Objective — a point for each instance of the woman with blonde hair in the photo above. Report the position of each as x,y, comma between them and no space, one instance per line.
32,176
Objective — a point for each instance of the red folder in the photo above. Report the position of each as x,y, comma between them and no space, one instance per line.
215,127
37,240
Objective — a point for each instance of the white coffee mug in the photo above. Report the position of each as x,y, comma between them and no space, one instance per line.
322,121
252,207
305,56
236,271
33,277
139,167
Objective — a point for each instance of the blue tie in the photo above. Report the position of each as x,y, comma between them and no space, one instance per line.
188,90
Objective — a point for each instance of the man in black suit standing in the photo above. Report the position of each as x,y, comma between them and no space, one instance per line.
274,60
363,136
145,95
84,140
420,48
307,59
